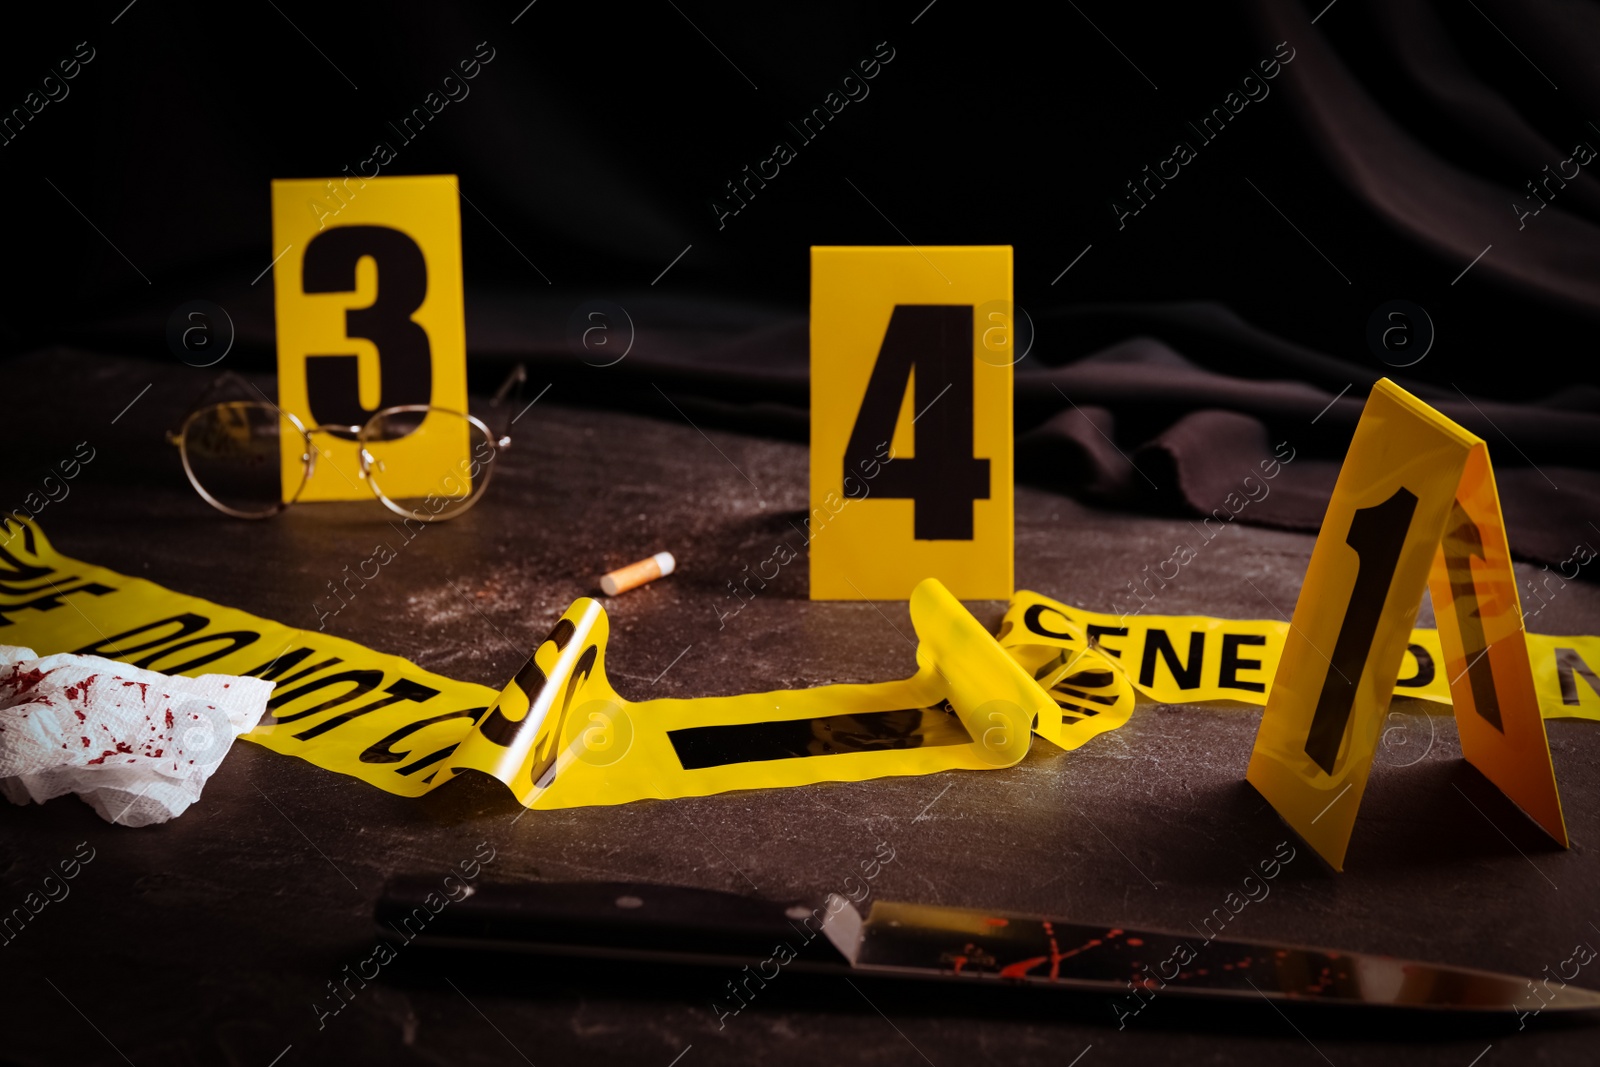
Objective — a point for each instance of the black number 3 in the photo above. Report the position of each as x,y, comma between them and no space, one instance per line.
405,361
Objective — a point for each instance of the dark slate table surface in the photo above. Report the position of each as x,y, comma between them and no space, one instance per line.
211,938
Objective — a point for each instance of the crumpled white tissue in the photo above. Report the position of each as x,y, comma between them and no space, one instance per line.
137,745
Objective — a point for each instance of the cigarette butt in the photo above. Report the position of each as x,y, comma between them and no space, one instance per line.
636,574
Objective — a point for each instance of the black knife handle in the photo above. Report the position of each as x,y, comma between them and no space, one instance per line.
608,919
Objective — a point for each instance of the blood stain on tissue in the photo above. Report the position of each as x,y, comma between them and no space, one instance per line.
122,747
20,680
80,692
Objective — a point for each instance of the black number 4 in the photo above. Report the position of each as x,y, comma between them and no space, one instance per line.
943,477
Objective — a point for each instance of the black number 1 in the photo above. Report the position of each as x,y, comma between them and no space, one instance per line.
1462,541
943,477
405,373
1377,534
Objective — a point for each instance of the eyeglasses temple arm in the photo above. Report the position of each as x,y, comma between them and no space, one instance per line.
512,388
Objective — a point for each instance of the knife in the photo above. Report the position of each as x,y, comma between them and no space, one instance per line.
678,925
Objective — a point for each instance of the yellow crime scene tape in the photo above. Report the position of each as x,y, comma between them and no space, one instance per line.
560,736
1189,659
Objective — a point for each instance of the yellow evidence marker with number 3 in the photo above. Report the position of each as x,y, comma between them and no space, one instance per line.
369,311
911,470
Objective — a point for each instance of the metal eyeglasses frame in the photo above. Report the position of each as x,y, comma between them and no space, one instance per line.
361,434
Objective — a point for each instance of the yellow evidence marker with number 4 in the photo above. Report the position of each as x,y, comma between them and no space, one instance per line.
370,316
911,469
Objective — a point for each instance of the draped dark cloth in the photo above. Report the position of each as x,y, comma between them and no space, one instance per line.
1414,149
1172,419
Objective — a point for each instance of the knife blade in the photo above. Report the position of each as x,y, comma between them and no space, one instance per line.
674,924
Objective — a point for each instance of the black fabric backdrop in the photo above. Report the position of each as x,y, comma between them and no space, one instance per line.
1183,328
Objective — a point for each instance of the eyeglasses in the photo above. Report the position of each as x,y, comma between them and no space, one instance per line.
233,454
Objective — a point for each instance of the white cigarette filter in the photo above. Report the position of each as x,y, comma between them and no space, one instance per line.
636,574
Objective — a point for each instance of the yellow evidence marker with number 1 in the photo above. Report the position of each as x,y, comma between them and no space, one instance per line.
911,470
367,289
1414,507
